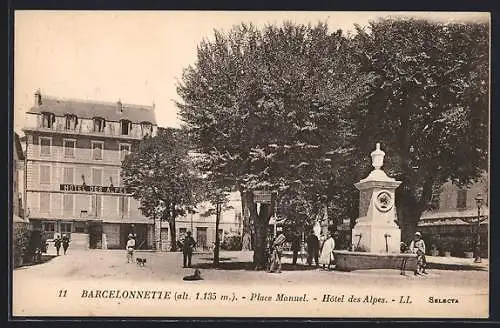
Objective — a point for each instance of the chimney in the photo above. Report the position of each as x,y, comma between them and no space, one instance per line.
38,98
120,106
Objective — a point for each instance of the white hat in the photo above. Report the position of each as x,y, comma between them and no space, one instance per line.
418,234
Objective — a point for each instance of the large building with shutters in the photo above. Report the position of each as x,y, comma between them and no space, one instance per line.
453,226
74,150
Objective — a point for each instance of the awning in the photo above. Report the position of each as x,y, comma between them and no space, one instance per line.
453,221
19,219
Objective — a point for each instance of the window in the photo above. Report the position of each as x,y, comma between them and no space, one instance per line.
44,202
70,122
49,226
125,127
68,175
69,148
461,198
124,151
45,145
96,202
48,120
68,204
45,174
79,227
99,124
147,128
97,147
123,205
66,227
96,176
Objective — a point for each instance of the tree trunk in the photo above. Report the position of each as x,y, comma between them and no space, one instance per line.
261,227
246,233
409,214
157,233
217,237
173,237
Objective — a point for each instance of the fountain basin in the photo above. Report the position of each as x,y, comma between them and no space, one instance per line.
349,261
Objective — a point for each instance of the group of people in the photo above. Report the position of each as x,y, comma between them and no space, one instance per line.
64,241
319,252
188,245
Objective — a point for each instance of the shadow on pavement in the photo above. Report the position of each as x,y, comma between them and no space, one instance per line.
45,258
455,267
220,259
249,266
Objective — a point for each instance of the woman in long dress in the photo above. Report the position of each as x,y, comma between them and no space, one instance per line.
326,256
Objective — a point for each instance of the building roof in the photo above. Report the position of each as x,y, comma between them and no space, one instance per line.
18,147
463,217
466,213
89,109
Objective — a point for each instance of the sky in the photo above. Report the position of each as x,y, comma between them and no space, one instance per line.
138,57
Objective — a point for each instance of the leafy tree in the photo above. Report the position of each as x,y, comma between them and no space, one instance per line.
271,108
428,106
163,177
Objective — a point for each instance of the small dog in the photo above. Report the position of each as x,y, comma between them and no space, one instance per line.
140,261
195,276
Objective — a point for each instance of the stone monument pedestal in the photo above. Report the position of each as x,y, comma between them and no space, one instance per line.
376,237
376,230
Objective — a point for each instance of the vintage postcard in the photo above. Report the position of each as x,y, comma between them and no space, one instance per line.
233,164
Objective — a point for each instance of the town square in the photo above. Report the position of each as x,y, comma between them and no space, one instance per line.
274,158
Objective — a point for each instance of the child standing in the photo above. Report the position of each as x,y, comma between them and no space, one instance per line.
130,248
417,246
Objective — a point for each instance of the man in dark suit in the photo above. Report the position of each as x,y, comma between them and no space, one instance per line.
312,249
295,247
187,249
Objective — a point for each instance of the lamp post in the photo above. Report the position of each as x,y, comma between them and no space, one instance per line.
479,203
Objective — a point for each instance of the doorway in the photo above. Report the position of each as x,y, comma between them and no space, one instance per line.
201,238
95,234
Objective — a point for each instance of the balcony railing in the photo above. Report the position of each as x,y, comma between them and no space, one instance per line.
80,155
112,129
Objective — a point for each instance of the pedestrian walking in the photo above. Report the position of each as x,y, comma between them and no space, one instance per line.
326,257
312,249
417,246
57,244
130,248
295,248
269,252
65,243
277,249
187,249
